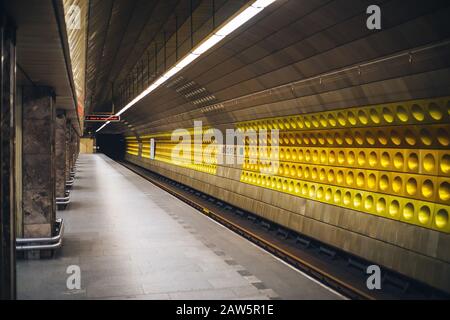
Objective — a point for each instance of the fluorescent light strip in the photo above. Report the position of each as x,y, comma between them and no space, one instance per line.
210,42
106,123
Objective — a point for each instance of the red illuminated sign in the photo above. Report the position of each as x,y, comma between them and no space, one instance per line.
101,118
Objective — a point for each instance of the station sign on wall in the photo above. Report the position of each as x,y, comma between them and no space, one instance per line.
101,118
152,148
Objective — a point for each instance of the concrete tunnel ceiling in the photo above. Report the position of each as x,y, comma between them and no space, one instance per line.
292,42
123,33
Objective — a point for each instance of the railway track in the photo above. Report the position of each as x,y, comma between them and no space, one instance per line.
265,234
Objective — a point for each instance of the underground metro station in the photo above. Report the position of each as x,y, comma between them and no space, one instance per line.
225,150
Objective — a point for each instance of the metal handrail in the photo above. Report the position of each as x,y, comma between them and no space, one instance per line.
57,238
70,181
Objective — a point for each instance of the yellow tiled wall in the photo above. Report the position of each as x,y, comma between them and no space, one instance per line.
389,160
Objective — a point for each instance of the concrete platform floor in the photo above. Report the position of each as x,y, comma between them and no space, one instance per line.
132,240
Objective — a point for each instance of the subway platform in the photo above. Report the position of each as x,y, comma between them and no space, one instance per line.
132,240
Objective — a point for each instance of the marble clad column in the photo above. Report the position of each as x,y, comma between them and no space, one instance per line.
7,159
60,151
68,146
39,206
72,147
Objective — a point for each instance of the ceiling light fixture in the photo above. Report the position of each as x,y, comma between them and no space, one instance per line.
234,23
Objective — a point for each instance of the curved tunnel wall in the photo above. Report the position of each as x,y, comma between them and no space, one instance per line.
364,190
363,120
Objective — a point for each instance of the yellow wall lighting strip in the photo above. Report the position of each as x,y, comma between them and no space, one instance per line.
163,152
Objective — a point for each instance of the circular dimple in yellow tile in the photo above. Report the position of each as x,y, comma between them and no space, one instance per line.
357,200
307,122
372,181
294,155
341,119
441,219
394,208
328,194
351,158
351,118
330,176
323,156
402,114
424,214
443,137
329,138
298,139
444,191
425,137
370,139
348,138
347,198
315,122
359,138
411,186
293,171
361,158
435,111
340,177
429,163
384,182
320,193
341,157
397,184
297,188
308,155
427,188
322,175
385,159
362,117
337,196
338,139
287,124
368,203
374,116
292,123
417,112
331,157
360,179
382,138
305,190
323,121
398,160
300,155
331,120
321,139
312,191
315,155
291,187
408,211
388,116
445,163
395,138
381,206
349,179
299,171
373,159
410,138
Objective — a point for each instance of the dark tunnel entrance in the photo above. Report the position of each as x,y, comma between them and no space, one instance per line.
112,145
